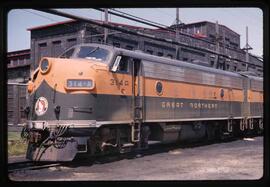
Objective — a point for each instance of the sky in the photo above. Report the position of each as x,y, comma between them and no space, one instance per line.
19,20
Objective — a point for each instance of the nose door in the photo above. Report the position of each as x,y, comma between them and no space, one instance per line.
137,92
133,71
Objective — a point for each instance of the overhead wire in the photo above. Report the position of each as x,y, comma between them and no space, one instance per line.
54,20
37,14
139,18
102,24
166,29
151,22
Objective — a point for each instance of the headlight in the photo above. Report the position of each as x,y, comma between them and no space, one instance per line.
80,84
45,66
38,125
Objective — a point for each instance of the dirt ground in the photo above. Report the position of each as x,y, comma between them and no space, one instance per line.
236,160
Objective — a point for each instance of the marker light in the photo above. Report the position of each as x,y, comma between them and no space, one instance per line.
30,86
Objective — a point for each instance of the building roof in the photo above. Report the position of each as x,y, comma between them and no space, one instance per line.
72,21
51,25
14,55
128,26
18,53
204,22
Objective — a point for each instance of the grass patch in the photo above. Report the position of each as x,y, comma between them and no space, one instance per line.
16,145
14,136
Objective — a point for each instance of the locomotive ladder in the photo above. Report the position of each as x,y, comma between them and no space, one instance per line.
137,98
136,124
135,131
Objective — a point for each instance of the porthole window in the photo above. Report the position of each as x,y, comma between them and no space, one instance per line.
159,88
222,93
44,65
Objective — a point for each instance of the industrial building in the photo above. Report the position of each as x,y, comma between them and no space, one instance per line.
18,74
52,40
18,66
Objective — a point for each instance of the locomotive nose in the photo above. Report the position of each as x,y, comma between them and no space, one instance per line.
62,89
64,75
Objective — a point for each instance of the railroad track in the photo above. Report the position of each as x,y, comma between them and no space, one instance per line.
29,165
154,148
84,161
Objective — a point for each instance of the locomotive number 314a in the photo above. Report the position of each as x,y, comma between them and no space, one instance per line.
119,82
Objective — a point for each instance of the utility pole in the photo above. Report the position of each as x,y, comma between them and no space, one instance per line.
216,64
105,29
246,48
177,33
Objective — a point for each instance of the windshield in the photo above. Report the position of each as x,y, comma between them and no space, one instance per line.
68,53
95,53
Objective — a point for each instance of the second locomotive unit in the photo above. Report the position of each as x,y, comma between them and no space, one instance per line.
95,99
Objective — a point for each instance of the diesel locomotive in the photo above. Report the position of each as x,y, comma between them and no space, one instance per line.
96,99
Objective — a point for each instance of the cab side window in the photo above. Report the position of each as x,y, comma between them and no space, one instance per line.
124,65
